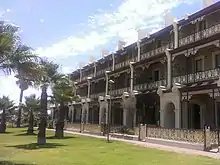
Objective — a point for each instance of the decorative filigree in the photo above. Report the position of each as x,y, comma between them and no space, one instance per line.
175,89
160,92
162,61
195,136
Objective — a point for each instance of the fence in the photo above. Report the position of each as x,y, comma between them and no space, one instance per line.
206,137
82,127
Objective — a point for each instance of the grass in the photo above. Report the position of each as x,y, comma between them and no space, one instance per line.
20,149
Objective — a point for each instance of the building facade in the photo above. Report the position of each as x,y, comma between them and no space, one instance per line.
169,79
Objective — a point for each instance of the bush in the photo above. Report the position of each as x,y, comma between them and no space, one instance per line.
50,124
126,130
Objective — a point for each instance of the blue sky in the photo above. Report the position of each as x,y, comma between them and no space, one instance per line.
70,31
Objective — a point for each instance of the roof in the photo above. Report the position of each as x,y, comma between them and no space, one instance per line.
200,13
212,8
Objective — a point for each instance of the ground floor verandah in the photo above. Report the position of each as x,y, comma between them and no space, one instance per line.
180,108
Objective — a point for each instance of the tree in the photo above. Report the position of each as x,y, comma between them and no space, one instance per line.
18,58
31,110
50,75
5,105
23,62
8,39
62,94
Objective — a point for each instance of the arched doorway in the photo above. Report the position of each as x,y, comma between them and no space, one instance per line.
194,116
169,117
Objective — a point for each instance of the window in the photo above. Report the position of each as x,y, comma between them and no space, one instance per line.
217,61
156,75
202,25
158,43
199,65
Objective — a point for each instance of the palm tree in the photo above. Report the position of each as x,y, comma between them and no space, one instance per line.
31,109
50,75
5,105
62,94
18,58
8,40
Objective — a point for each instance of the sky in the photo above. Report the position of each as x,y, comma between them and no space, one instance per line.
69,32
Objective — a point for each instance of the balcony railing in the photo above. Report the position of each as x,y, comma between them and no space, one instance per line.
150,86
200,35
157,51
126,63
192,78
183,41
134,59
196,77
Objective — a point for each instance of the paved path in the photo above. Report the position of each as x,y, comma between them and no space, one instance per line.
157,146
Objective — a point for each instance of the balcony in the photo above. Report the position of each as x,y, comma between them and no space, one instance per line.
150,86
102,72
157,51
200,35
198,77
192,78
126,63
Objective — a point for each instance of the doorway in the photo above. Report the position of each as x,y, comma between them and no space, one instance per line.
169,120
195,117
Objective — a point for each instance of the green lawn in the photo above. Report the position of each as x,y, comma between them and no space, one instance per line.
17,148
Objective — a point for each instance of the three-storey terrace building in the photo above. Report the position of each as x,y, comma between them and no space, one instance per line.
170,78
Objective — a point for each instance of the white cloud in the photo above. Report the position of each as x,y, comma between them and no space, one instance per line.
9,88
122,23
41,20
131,14
3,12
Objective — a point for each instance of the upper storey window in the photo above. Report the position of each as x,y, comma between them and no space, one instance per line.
217,61
199,65
202,25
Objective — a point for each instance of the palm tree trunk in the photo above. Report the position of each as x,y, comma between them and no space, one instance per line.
41,137
3,122
19,109
30,130
60,123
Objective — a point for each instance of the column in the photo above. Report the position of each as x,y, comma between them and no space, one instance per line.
83,113
139,50
100,115
87,112
101,111
113,116
70,113
106,112
52,114
113,61
124,116
177,118
216,113
176,38
72,118
162,117
185,114
134,119
169,69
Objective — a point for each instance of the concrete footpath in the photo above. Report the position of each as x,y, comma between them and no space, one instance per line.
157,146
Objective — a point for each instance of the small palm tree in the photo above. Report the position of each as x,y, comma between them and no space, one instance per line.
5,105
50,75
62,94
31,109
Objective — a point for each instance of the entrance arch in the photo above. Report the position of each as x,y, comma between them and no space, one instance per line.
169,117
194,116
